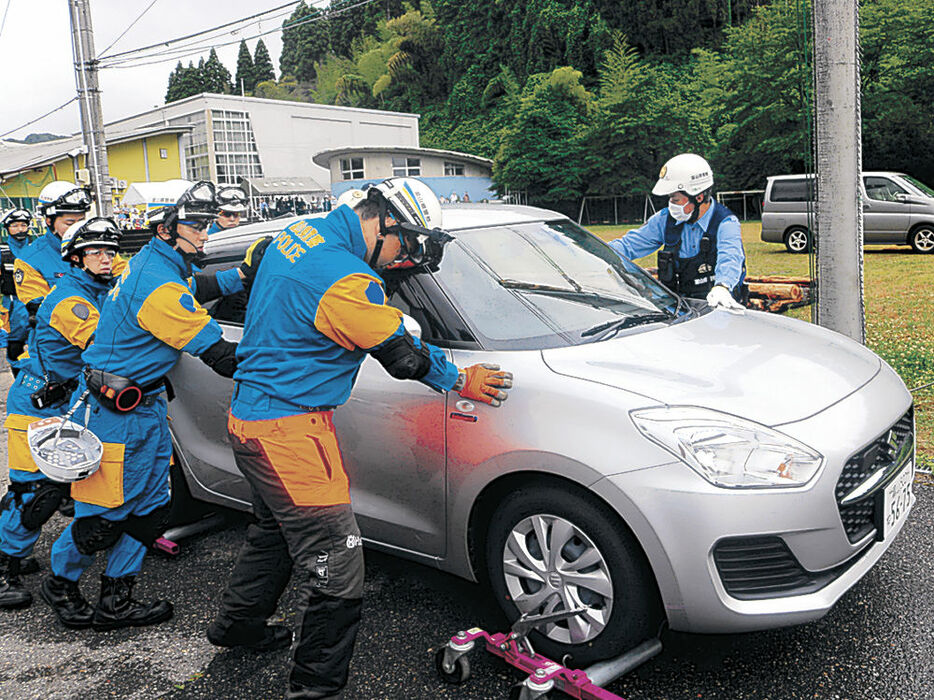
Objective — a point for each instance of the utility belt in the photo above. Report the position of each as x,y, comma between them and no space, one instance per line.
47,394
121,394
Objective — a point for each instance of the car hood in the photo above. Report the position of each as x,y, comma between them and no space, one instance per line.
764,367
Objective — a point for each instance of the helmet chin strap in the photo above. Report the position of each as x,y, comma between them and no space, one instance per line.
697,205
383,231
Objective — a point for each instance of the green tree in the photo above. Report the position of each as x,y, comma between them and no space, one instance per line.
262,64
349,21
215,76
304,42
244,78
541,151
185,81
897,42
763,86
644,116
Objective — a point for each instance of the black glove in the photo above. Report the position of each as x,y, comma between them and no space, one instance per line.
14,348
221,357
252,259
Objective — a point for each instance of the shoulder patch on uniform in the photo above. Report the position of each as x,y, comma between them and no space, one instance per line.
374,293
187,302
82,311
18,276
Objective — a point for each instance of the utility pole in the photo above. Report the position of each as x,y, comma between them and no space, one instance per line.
839,238
89,98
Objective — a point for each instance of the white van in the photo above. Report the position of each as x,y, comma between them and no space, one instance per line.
897,209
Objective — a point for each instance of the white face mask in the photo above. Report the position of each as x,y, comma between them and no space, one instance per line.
677,212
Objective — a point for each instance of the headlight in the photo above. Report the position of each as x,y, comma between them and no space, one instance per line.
728,451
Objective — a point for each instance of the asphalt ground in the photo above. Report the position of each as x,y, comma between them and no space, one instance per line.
876,642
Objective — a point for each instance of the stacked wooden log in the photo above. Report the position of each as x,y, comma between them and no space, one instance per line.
774,293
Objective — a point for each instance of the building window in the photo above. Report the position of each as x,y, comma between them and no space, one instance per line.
451,169
163,153
406,167
235,153
351,168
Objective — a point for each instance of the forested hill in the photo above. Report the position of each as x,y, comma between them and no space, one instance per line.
573,97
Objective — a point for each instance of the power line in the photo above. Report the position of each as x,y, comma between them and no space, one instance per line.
23,126
138,18
5,12
174,54
205,31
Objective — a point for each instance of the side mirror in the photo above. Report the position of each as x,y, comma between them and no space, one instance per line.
902,197
412,326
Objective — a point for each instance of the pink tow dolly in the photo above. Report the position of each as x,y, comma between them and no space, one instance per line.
544,674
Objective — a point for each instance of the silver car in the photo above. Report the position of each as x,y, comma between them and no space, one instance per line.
655,461
897,209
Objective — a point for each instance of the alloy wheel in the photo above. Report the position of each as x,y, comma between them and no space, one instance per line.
924,240
550,565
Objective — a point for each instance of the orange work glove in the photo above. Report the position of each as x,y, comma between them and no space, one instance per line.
483,382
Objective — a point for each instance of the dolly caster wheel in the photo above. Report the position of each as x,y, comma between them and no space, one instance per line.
459,672
520,692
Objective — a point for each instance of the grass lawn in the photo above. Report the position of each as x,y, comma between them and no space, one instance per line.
899,311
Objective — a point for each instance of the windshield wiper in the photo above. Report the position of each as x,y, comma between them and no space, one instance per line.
619,324
551,290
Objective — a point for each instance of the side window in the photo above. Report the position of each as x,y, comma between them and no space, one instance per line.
441,324
882,189
796,190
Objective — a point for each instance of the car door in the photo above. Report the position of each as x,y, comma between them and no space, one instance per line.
885,219
391,435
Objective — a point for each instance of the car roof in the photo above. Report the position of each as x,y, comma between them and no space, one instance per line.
458,217
799,176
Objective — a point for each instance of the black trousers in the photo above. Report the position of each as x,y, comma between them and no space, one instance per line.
324,540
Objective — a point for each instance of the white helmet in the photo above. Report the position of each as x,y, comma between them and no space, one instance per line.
64,451
231,199
351,198
90,233
686,172
410,201
62,197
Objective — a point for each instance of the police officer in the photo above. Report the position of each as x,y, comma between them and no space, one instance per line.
65,323
232,204
16,222
152,314
702,254
316,310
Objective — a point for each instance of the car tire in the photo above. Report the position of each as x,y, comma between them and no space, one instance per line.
615,564
922,238
184,507
798,240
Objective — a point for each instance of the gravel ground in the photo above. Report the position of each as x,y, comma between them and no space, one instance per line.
874,644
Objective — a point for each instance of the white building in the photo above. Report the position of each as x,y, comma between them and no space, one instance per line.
271,142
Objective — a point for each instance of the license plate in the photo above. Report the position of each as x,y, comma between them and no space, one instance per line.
896,500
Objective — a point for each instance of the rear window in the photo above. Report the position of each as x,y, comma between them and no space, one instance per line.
797,190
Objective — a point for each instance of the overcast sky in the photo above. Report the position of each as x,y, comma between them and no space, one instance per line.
37,67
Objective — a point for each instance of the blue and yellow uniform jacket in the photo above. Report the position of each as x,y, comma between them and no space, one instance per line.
316,308
41,266
65,323
17,324
151,316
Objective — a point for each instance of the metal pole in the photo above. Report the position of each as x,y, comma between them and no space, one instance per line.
839,165
89,99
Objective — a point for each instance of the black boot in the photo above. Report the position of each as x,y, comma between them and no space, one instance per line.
13,594
66,600
249,636
28,566
117,608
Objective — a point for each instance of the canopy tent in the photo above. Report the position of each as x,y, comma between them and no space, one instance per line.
154,194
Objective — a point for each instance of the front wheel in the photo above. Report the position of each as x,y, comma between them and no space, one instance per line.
922,239
798,240
550,549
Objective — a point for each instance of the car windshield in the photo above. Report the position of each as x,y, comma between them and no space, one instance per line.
920,185
540,285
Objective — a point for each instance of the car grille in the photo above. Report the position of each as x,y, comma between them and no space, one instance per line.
859,517
752,568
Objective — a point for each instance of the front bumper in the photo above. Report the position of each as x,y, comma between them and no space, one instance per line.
679,518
